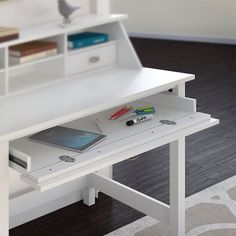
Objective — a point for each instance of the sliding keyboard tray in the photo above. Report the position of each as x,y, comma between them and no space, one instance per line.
42,169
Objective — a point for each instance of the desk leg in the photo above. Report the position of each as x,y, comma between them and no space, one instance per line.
4,189
177,187
89,193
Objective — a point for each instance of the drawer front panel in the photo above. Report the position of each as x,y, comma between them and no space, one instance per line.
94,58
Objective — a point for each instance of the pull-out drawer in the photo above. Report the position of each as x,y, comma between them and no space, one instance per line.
42,169
92,58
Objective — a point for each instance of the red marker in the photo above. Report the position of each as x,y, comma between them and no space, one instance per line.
120,113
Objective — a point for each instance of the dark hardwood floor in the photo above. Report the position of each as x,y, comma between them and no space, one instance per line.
210,155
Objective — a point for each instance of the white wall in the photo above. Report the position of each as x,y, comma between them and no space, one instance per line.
193,18
22,13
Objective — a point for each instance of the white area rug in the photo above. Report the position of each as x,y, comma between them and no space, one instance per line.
211,212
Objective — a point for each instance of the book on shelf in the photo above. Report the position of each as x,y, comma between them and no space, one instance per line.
86,39
30,48
7,33
29,58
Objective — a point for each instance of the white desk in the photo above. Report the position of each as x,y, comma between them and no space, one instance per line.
56,96
65,104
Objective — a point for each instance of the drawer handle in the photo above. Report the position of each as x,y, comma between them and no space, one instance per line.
94,59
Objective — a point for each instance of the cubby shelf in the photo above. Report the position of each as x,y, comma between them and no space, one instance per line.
36,74
24,82
48,59
75,51
53,29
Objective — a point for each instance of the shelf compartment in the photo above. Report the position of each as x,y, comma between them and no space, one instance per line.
47,168
29,64
52,28
91,58
126,55
24,78
89,48
59,39
34,62
29,81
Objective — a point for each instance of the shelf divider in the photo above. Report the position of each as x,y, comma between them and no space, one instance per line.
6,75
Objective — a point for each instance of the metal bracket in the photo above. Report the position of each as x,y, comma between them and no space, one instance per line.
67,159
168,122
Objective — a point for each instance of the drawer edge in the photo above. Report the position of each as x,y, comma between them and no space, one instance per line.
19,161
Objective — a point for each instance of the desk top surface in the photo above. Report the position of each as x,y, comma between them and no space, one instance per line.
30,112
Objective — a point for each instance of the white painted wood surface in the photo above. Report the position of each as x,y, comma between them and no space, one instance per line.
177,187
43,72
6,72
132,198
126,54
179,90
77,98
175,102
44,179
4,186
44,155
104,54
50,29
89,192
